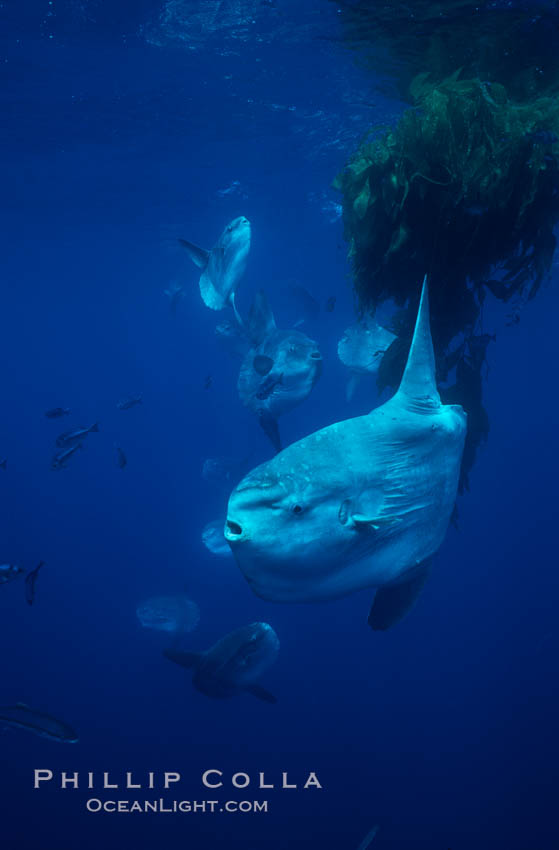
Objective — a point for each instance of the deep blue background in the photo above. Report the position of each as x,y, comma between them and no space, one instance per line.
122,126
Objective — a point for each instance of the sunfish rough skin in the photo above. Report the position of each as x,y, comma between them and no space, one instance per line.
223,266
279,370
361,349
232,664
361,503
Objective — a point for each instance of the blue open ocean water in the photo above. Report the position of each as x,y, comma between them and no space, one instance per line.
126,126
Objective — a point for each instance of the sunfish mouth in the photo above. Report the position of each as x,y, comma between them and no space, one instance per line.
233,532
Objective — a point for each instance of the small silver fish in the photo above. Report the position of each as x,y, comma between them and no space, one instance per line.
21,716
30,580
121,459
57,412
76,435
131,401
60,459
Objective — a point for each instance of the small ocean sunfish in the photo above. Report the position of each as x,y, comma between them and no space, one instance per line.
279,370
223,266
8,572
176,614
232,664
213,538
21,716
361,349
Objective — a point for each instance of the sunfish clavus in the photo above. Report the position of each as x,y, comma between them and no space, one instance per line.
361,503
223,266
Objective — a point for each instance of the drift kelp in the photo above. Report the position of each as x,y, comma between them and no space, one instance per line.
467,182
467,187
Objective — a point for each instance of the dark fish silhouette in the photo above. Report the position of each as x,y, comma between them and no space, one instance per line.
57,412
3,463
121,458
208,382
8,572
30,580
330,304
231,665
131,401
76,435
21,716
60,459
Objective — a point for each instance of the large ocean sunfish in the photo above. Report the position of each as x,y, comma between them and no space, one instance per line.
361,503
223,266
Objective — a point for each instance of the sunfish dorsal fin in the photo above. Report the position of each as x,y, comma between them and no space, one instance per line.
418,385
261,322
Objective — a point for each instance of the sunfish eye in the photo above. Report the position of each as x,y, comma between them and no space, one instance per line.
297,509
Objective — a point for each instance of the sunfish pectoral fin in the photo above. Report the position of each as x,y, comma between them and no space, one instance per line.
199,256
183,659
361,521
392,602
260,692
271,428
418,386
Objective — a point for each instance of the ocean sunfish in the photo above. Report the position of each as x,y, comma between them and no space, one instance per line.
21,716
361,503
361,349
279,370
223,266
214,540
232,664
176,614
8,572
